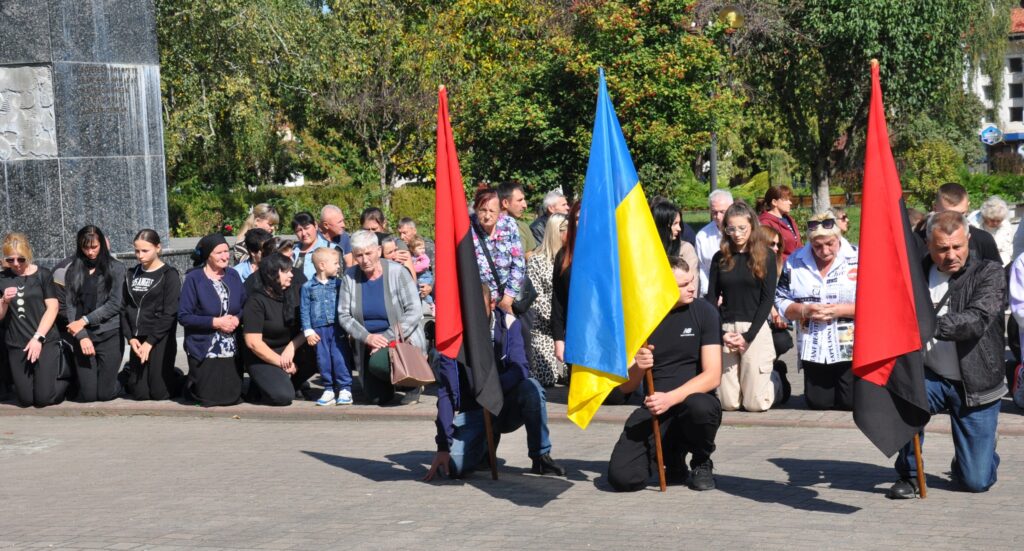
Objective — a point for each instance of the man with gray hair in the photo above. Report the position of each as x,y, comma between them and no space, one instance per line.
407,231
332,228
709,238
964,359
554,203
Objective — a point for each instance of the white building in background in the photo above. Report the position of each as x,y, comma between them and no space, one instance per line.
1010,116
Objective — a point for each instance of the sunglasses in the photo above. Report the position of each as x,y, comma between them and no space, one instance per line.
827,223
15,260
734,230
843,218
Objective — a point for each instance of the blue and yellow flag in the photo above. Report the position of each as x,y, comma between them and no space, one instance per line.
621,286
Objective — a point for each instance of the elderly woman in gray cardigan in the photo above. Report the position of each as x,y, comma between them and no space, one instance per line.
375,296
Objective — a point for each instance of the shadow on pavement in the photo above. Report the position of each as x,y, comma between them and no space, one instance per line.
514,484
769,491
848,475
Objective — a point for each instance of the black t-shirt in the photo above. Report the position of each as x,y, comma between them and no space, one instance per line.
142,281
27,308
265,315
677,341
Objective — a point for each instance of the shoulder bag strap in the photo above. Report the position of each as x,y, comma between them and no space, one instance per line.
487,254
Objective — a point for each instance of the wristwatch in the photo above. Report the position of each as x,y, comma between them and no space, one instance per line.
40,338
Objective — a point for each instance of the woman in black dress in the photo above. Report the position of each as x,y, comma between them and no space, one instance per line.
272,333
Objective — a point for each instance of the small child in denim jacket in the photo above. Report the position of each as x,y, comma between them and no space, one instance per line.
421,264
319,314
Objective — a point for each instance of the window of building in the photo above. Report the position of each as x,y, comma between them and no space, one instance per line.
986,91
1016,65
1017,90
1017,114
990,115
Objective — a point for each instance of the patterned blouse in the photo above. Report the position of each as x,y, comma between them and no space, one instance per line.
507,252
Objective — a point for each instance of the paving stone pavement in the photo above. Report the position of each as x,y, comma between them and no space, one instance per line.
160,482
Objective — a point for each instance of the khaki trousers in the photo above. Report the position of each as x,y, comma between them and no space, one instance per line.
747,377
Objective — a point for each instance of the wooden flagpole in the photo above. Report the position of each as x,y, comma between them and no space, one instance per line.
490,444
649,379
922,488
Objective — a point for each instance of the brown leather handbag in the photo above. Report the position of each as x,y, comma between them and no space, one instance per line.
409,365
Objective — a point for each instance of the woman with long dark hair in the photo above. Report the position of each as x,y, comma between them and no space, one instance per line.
272,333
669,221
560,283
93,300
149,322
744,275
209,309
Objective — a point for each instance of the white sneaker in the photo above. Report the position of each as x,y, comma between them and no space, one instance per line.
326,398
344,398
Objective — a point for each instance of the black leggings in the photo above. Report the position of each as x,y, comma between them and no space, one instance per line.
273,387
689,427
157,379
97,375
36,383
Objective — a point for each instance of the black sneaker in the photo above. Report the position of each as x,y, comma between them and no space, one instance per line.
904,488
545,465
703,477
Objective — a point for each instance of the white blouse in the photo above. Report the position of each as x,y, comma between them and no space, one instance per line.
801,282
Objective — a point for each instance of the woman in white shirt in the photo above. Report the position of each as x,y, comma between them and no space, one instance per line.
817,289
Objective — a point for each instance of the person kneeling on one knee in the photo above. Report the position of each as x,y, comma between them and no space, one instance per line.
461,437
685,354
964,360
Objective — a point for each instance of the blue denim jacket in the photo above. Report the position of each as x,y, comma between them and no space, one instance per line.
319,305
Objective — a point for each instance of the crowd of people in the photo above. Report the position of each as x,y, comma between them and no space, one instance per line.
753,284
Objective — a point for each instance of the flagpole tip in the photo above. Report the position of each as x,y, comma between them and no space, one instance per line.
874,62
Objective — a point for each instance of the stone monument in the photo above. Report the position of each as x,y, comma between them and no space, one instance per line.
81,135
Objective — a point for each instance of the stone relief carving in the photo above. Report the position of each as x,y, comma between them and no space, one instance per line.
27,127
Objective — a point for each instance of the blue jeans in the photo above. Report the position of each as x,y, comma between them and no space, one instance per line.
525,405
974,436
332,357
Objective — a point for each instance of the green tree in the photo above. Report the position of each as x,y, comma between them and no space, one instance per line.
664,78
812,67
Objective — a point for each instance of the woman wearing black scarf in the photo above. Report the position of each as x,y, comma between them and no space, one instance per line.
272,333
92,303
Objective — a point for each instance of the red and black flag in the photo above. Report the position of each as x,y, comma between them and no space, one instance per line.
894,315
462,329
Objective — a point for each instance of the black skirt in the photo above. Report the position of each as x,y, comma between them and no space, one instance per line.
214,381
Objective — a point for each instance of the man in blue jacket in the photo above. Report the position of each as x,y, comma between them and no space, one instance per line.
461,437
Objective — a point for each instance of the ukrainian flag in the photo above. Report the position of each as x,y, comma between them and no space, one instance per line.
621,286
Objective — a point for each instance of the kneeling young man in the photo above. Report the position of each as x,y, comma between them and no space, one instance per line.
461,437
685,352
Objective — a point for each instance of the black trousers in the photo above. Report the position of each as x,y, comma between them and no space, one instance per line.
97,375
305,366
828,386
269,385
689,427
36,384
157,379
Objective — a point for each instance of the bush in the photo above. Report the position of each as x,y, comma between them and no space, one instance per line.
928,166
982,186
416,202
